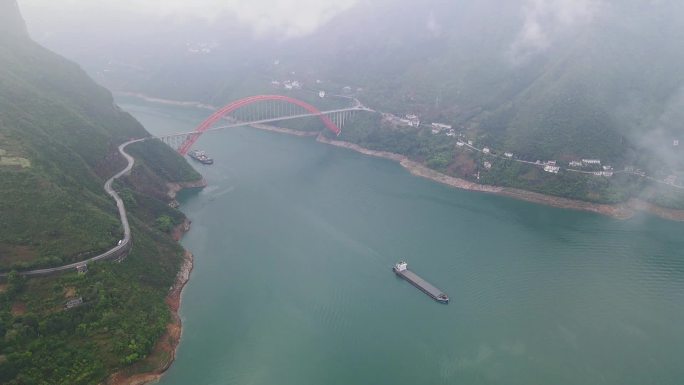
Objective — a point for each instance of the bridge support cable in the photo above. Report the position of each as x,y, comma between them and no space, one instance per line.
340,118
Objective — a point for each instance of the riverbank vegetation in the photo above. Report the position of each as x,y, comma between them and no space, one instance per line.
76,328
604,89
441,153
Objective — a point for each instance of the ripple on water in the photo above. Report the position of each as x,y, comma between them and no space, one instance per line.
330,313
539,295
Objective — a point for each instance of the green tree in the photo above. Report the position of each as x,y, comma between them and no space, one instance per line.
164,223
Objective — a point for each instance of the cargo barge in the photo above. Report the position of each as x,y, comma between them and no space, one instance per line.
401,269
200,156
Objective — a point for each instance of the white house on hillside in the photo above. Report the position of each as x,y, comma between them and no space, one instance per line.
441,126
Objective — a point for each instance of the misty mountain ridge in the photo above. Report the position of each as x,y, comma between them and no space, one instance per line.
541,79
11,22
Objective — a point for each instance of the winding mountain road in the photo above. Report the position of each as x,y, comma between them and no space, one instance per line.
117,251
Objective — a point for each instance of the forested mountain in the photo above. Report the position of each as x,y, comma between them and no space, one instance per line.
62,131
59,132
550,79
544,80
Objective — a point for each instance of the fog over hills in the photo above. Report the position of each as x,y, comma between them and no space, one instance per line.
11,22
577,104
554,79
540,77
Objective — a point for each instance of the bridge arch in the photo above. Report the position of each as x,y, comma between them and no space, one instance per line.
226,110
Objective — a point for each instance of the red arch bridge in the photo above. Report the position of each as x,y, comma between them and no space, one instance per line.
262,109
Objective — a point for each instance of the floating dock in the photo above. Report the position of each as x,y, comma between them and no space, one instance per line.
401,269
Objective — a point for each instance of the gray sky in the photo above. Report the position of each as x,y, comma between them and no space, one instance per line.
545,19
284,18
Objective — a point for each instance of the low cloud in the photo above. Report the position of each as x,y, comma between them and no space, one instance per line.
281,18
660,138
545,20
433,26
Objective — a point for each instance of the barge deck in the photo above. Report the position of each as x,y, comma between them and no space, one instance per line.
401,269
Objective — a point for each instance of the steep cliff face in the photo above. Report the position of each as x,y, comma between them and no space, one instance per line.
58,136
11,22
59,132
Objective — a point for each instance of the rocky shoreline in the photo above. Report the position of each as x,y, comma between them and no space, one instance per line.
671,214
164,352
620,211
168,101
175,187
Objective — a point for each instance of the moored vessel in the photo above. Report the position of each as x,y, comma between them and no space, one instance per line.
200,156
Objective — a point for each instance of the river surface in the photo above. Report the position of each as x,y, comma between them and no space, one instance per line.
294,241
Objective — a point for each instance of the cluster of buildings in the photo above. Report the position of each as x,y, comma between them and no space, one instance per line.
347,90
200,48
605,170
74,302
410,120
413,120
585,163
605,173
550,166
671,180
438,128
287,84
636,171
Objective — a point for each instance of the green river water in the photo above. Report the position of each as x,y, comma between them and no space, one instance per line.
294,243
